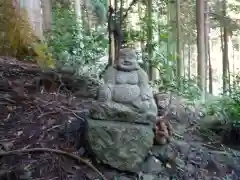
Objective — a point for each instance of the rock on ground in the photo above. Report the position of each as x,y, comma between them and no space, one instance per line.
196,158
119,144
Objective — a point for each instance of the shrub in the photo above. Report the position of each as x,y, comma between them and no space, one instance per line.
71,45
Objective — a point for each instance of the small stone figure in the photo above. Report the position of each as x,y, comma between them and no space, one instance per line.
162,131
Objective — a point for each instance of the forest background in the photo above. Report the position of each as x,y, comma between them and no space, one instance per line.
189,47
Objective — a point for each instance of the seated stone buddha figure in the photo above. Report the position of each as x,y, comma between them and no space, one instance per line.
126,83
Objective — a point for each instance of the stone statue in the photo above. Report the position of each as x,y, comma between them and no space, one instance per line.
121,121
127,83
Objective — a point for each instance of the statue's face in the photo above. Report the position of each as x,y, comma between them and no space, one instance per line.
127,59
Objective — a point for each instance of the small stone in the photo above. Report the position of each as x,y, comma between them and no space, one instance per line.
182,146
216,178
6,145
148,177
81,151
152,165
180,163
190,169
124,178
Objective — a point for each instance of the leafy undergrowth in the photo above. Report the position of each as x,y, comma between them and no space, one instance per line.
222,118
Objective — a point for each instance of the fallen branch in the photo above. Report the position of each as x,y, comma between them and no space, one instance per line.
79,159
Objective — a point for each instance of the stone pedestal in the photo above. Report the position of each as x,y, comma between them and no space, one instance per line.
122,145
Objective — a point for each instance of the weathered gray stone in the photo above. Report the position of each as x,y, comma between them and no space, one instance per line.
111,111
121,145
127,84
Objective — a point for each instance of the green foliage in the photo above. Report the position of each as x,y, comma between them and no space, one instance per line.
164,51
71,45
165,62
188,90
226,108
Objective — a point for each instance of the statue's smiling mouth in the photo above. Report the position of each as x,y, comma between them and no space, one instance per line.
127,63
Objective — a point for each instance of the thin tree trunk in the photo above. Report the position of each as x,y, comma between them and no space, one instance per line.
171,46
47,15
149,39
115,6
159,41
142,32
225,53
170,35
221,38
84,23
88,22
233,58
183,62
189,61
206,32
233,67
34,13
179,59
201,46
78,10
228,67
210,85
121,14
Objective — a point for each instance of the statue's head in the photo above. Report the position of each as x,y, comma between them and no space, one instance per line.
127,60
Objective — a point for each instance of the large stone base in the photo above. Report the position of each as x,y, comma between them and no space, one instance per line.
120,144
112,111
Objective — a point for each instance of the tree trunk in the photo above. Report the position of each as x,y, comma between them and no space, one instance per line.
233,68
189,60
78,10
206,33
149,39
35,18
171,46
47,15
84,22
210,82
182,61
121,14
159,42
201,46
179,51
228,66
225,53
221,38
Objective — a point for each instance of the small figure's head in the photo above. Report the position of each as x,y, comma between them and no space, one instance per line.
127,60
